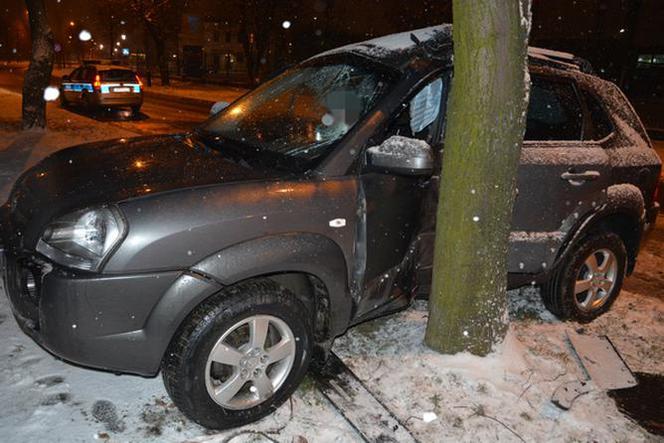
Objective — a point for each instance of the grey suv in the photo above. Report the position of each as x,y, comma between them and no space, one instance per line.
226,257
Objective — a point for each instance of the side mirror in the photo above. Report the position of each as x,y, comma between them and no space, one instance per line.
218,107
402,155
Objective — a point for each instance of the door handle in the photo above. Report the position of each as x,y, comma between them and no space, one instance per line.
580,176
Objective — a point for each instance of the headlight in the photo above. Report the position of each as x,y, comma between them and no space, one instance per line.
82,239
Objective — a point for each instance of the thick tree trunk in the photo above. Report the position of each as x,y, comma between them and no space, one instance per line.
485,127
38,76
162,60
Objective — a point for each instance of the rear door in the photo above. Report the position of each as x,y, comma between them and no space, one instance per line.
561,178
71,88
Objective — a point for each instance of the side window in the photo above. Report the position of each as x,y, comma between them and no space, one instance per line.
554,111
89,75
417,118
76,75
598,121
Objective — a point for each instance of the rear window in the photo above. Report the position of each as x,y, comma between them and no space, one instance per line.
554,111
117,75
600,124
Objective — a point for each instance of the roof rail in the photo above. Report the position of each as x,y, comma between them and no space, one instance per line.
560,60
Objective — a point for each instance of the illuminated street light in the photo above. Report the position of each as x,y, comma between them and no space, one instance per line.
84,36
71,23
117,43
123,36
101,46
286,24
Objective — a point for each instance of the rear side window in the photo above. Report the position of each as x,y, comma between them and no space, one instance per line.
76,75
117,75
554,111
89,74
599,123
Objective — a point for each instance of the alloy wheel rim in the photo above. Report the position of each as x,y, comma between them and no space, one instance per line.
250,362
596,280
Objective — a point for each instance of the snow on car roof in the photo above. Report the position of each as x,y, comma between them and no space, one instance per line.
397,49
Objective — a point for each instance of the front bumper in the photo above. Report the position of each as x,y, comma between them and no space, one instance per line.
120,323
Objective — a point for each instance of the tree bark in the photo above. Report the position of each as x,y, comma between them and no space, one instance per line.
485,127
38,76
162,60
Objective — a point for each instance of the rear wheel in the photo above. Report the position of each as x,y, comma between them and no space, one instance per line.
585,286
239,355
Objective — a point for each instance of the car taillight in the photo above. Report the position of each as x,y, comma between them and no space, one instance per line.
97,83
138,80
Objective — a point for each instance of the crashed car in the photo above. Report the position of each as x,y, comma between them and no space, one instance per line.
227,258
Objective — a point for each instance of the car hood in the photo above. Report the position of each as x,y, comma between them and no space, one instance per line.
115,170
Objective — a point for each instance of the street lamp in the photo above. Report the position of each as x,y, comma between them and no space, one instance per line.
123,36
84,36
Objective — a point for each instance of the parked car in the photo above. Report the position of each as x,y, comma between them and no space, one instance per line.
96,86
229,256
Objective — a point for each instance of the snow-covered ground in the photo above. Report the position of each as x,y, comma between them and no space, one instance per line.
504,397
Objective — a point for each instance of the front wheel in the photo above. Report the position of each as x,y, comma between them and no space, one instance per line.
585,286
239,355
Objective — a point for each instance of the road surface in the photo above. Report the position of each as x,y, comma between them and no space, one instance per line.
159,113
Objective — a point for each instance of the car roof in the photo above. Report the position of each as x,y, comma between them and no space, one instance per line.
435,42
105,67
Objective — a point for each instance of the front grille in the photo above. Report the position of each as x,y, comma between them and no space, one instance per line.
22,283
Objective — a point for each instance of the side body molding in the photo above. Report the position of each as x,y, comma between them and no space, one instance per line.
314,254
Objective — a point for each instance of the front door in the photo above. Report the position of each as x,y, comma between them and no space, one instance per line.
393,203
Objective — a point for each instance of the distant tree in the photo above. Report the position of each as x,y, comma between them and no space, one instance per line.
258,26
107,22
484,132
163,21
38,76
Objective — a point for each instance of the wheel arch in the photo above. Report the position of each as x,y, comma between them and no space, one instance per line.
623,214
311,266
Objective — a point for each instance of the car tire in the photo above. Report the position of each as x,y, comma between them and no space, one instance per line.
135,111
585,285
192,370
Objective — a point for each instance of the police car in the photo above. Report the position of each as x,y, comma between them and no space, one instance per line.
96,86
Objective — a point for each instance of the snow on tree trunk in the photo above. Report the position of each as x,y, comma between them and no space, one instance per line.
485,127
38,76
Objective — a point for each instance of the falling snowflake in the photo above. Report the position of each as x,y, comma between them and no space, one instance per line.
51,93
